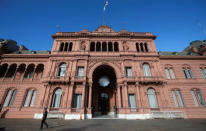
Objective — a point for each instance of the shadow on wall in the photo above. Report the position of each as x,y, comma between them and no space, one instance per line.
4,113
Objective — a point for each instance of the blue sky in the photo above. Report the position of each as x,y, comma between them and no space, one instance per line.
32,22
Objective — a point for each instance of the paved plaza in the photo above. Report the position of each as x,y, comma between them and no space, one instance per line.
105,125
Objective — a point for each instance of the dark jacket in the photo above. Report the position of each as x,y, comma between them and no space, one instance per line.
45,115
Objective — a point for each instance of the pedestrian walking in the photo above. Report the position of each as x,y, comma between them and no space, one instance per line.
43,121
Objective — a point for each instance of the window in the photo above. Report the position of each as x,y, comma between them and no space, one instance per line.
145,46
128,71
110,46
116,47
10,97
132,101
141,47
137,47
11,71
80,71
203,71
30,98
78,101
152,98
104,46
177,94
92,46
29,71
66,47
70,46
56,99
146,70
62,70
169,73
188,73
197,97
3,69
98,48
61,47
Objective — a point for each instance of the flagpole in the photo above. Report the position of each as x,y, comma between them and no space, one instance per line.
104,18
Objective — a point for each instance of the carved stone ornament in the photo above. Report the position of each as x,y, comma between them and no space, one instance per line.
125,46
82,45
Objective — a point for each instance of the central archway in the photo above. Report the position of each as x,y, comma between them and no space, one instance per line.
104,90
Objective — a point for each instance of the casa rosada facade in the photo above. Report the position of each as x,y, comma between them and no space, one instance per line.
90,74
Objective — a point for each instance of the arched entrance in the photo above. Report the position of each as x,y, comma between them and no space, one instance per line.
104,90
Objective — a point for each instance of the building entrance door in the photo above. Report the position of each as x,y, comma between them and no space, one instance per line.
103,103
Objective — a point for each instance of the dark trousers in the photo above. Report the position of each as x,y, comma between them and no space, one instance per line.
43,122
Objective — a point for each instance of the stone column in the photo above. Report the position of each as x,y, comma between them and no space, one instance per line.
119,96
90,96
138,99
126,105
83,95
70,95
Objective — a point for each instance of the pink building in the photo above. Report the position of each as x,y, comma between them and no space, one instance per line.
90,74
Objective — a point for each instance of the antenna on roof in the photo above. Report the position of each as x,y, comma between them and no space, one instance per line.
58,28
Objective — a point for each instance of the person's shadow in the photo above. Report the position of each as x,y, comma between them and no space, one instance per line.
2,128
4,113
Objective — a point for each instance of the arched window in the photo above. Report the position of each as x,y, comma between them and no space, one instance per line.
152,98
188,72
116,47
70,46
3,70
66,47
145,47
110,47
11,71
177,95
203,71
39,71
61,47
92,46
98,47
56,99
137,47
104,46
169,72
62,70
29,71
20,71
141,47
10,97
146,70
30,98
197,97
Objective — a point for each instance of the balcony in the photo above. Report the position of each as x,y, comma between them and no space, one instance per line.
57,79
145,80
79,78
130,79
